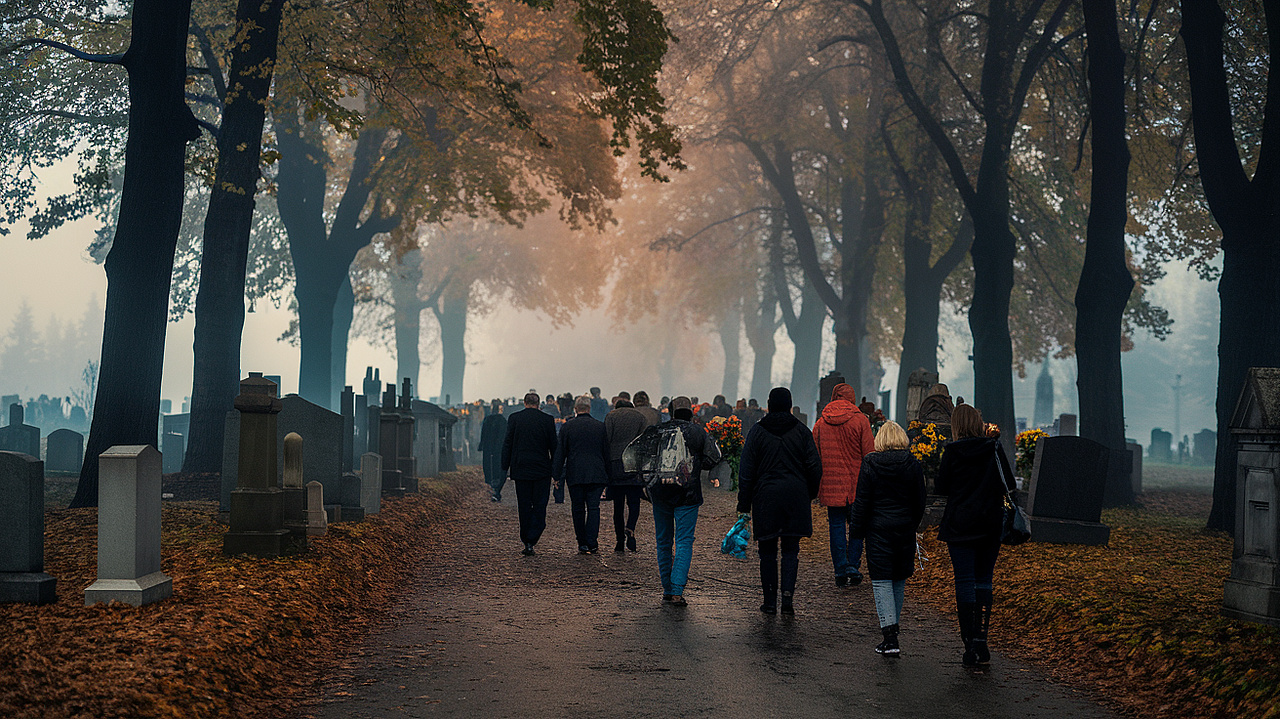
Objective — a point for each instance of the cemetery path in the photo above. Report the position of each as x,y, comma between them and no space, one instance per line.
488,633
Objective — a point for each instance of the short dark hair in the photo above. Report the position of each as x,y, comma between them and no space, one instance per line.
641,398
624,395
532,399
595,391
966,422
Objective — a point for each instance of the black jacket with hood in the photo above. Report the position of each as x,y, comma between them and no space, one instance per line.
971,481
887,511
779,476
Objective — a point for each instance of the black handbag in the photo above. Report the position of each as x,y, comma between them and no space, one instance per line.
1016,529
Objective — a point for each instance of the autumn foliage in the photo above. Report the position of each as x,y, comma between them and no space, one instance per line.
240,637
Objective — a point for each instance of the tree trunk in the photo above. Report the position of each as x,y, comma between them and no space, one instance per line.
1249,287
1105,281
993,252
807,339
730,342
408,307
761,326
139,266
452,317
227,225
343,314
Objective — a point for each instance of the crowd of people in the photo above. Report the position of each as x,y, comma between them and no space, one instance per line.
862,472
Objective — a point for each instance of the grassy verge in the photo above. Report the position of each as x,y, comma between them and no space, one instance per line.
1138,620
240,636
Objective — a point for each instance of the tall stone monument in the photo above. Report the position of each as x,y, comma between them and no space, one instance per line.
22,577
257,508
406,432
919,383
388,444
371,482
1042,414
129,528
1252,592
294,492
348,406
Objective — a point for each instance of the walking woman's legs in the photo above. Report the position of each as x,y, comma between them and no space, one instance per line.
886,606
984,571
963,566
790,568
769,574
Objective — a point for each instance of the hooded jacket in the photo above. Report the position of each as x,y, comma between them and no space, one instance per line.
970,476
778,477
887,512
843,435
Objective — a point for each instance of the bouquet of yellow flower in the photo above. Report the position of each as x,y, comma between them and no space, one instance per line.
1025,448
727,432
926,445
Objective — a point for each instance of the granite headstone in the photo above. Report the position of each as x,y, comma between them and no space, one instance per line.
22,577
129,528
64,451
1068,481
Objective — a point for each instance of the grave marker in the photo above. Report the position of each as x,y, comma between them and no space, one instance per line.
22,577
1068,481
18,436
129,528
64,451
371,482
1252,592
257,509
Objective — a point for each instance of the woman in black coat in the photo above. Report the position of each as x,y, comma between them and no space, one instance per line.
974,475
777,479
887,509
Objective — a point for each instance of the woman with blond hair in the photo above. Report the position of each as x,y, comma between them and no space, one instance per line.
886,513
974,475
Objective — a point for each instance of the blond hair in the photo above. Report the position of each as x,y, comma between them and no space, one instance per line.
891,437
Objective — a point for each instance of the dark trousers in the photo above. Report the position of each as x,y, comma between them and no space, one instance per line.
493,474
585,500
625,497
531,501
974,564
557,491
769,566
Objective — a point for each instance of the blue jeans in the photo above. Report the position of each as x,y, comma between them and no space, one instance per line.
674,526
889,594
974,564
846,551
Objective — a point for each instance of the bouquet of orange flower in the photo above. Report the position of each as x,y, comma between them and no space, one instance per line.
1025,449
727,432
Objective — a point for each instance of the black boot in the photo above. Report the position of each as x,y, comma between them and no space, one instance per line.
769,584
790,568
966,616
890,644
981,625
631,540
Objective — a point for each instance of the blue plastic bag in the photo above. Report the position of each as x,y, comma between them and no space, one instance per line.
738,539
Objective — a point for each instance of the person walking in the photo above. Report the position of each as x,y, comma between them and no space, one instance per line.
527,452
651,415
599,405
493,433
844,437
778,477
622,425
582,464
887,513
675,504
974,475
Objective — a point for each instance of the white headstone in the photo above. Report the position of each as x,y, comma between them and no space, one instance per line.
129,528
371,482
317,520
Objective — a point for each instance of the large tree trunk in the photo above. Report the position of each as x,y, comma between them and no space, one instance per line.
1105,281
993,252
408,307
730,342
1249,288
343,314
227,225
452,317
140,264
761,325
807,339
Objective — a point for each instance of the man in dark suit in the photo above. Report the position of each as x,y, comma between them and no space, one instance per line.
582,463
493,432
527,453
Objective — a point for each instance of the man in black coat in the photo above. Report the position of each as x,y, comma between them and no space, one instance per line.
582,463
527,453
493,432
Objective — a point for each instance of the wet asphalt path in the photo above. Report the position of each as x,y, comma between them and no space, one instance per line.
489,633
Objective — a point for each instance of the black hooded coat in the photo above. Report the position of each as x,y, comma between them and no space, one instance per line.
779,476
887,511
970,477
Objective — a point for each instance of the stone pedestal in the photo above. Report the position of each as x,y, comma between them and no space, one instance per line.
1252,593
129,528
22,577
371,482
257,506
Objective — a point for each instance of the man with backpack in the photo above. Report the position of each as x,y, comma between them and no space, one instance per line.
670,458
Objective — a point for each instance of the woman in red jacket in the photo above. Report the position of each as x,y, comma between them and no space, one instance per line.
843,435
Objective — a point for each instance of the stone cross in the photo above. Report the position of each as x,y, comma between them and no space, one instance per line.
20,437
22,577
129,528
371,482
257,506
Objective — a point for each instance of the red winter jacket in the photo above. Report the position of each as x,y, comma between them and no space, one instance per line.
843,435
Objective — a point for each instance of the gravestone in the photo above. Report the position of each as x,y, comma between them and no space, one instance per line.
321,432
1067,426
825,387
174,449
1161,449
1135,473
1119,489
18,436
22,577
9,400
360,445
406,430
371,482
389,444
64,451
230,462
433,446
919,383
1205,447
373,423
129,528
316,519
1252,592
348,406
294,491
1068,481
352,510
257,509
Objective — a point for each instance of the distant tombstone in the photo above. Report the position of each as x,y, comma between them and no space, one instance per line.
166,406
9,400
174,447
1252,592
371,482
389,444
885,401
372,385
825,386
406,430
294,492
22,577
433,446
78,419
64,451
129,528
321,431
1205,447
352,510
1067,426
1161,449
348,407
317,520
360,432
1135,473
1068,481
18,436
919,383
176,424
257,509
230,460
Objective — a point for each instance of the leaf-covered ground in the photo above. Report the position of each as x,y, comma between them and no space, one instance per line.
240,636
1139,619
